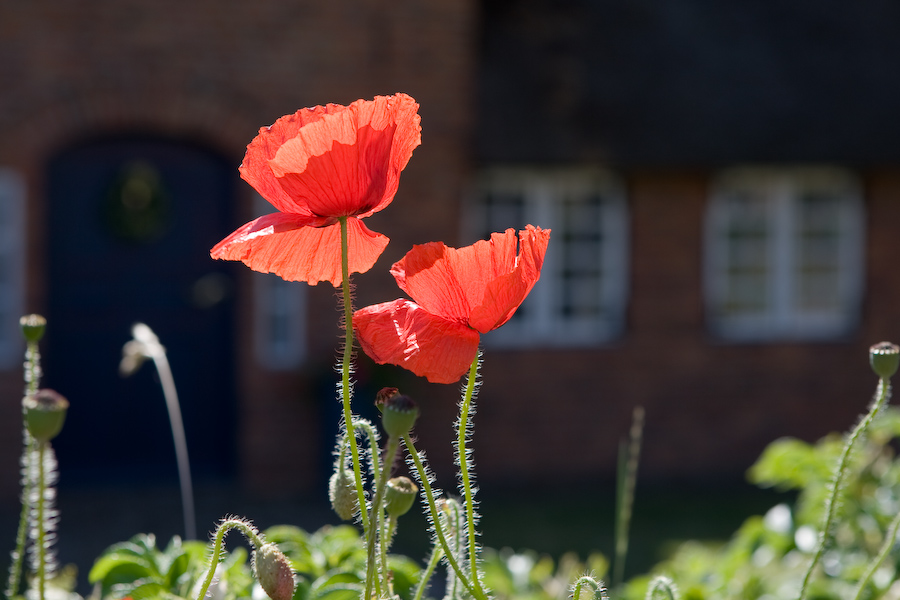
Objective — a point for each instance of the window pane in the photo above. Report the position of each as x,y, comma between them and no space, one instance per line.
747,254
581,240
784,253
817,260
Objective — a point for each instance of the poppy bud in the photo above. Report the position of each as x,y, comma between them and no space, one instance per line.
399,413
273,571
342,494
383,395
399,496
45,413
33,327
884,358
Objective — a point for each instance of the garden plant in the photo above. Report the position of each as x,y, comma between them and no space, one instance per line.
325,169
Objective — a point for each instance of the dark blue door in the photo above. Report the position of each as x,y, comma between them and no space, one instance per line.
130,224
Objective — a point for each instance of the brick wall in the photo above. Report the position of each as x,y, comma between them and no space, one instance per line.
214,72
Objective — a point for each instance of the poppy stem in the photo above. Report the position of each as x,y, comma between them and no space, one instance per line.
245,527
32,370
463,426
377,516
423,477
882,394
346,390
40,541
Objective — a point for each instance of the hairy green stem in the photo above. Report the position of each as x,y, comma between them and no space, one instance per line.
223,528
435,517
881,395
377,517
889,537
385,529
461,435
436,554
18,555
40,541
597,588
15,568
366,426
32,376
662,587
345,375
629,456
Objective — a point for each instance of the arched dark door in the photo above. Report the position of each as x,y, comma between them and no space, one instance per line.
130,225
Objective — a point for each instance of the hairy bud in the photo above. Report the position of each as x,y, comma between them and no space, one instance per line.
273,571
398,412
342,494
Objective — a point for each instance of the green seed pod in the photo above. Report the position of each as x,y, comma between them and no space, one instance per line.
273,571
399,414
399,496
342,494
33,327
45,413
884,358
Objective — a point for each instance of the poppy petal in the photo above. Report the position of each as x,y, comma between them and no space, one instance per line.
349,162
482,284
255,168
504,294
301,248
404,334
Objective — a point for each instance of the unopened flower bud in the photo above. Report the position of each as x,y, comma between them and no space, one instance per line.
33,327
884,358
45,413
342,494
383,395
399,412
399,496
273,571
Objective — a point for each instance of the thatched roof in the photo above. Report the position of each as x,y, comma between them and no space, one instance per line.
690,82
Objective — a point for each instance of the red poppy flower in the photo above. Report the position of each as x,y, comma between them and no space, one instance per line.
459,293
314,166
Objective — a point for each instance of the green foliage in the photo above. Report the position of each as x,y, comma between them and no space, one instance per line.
768,555
330,564
137,568
529,576
765,559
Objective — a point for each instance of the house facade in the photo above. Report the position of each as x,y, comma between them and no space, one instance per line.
723,186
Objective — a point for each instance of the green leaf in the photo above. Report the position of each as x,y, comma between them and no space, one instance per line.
177,569
335,581
406,574
118,567
144,590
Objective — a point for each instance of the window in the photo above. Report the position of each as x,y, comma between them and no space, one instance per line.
279,328
784,254
580,298
12,250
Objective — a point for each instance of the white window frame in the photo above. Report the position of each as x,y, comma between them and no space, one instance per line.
12,257
542,322
276,300
782,319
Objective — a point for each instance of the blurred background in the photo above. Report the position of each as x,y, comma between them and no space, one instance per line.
722,180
